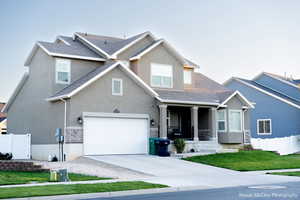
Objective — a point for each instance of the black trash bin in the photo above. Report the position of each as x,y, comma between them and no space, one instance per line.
162,147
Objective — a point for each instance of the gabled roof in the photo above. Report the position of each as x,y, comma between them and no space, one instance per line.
73,49
236,93
267,91
155,44
283,79
111,46
94,75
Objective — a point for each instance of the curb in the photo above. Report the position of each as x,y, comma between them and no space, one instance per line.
117,194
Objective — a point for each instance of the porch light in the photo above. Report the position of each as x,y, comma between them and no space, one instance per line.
79,120
152,122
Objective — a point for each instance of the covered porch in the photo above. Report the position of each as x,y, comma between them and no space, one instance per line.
192,123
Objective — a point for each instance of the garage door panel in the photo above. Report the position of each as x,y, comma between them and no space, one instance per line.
112,135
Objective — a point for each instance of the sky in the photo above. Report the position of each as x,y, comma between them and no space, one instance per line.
225,37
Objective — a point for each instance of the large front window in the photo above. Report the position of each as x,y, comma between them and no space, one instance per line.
161,75
63,71
221,120
235,120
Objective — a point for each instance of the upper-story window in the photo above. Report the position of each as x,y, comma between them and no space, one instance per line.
161,75
63,71
117,87
235,120
187,76
221,119
264,127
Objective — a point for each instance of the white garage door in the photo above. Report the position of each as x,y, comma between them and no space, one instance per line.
111,133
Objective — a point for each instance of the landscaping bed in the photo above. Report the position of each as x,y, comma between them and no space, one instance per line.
18,192
249,160
12,177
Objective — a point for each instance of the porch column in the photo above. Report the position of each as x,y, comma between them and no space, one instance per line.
213,118
163,121
195,122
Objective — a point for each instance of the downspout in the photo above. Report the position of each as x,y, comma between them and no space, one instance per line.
65,125
65,115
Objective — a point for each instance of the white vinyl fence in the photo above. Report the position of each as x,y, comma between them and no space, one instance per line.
18,145
284,145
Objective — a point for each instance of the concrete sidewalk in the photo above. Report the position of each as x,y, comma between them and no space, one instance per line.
271,171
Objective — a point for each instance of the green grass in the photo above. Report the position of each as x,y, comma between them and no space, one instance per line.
249,160
18,192
286,173
10,177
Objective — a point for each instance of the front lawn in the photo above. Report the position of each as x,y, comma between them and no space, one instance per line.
11,177
18,192
249,160
286,173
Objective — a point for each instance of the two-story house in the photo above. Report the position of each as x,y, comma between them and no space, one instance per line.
275,121
109,95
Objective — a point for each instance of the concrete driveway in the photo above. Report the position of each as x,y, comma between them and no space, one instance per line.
180,173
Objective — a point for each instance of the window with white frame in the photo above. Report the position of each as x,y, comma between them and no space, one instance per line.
264,127
63,71
221,119
235,120
187,76
117,87
161,75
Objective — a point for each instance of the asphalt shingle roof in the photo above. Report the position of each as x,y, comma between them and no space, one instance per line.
109,44
270,91
79,82
75,48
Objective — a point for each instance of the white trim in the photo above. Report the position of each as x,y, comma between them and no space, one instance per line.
241,120
159,86
34,49
225,121
92,45
123,67
114,55
187,102
113,84
15,92
275,77
234,94
267,93
56,71
137,57
257,126
64,41
169,47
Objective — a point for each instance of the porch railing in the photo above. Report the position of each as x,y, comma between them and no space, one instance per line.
204,134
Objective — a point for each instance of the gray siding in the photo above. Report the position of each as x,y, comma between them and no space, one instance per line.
234,137
135,48
98,97
78,69
162,56
30,112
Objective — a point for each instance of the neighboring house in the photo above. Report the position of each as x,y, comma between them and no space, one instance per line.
275,121
110,95
2,120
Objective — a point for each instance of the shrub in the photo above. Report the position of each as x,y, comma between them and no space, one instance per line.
179,145
5,156
247,147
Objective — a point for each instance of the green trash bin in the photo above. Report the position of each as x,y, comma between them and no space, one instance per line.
152,146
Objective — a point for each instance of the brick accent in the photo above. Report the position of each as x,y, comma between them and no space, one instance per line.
74,135
21,166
